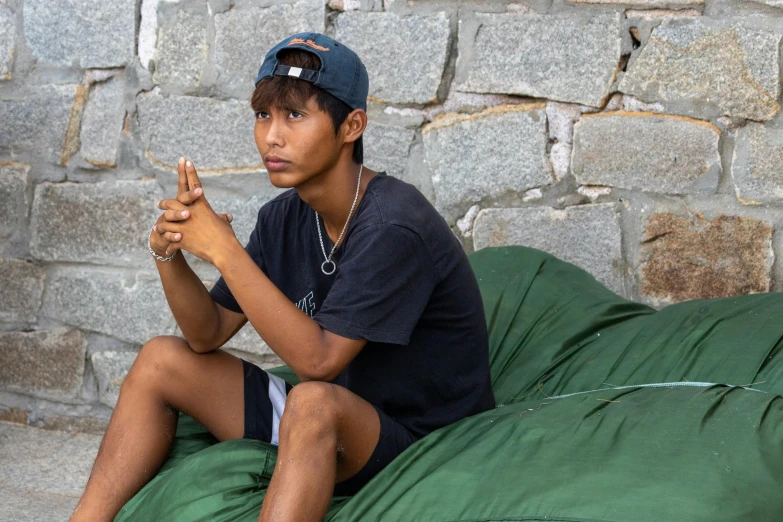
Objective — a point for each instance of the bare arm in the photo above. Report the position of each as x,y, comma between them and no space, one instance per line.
204,324
311,352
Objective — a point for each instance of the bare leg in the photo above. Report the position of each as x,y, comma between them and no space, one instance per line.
327,434
166,377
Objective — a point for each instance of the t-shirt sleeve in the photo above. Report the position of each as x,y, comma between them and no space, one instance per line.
384,280
220,292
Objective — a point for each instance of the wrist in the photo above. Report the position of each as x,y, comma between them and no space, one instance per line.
160,251
156,251
227,254
163,254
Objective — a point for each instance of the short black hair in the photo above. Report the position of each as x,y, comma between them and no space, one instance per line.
286,91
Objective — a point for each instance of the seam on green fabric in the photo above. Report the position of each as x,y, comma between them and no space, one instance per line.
533,518
266,465
659,385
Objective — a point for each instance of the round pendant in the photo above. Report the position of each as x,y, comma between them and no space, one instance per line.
328,262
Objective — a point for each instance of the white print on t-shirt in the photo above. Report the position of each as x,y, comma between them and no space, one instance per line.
307,304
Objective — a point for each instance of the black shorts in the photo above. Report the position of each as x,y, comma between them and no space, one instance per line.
265,396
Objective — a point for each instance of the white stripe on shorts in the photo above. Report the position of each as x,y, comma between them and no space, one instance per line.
277,397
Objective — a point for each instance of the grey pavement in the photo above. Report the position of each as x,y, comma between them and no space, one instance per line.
42,472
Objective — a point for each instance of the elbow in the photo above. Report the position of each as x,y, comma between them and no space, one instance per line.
315,375
319,365
318,372
200,347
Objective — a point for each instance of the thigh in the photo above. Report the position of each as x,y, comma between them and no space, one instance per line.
393,439
207,386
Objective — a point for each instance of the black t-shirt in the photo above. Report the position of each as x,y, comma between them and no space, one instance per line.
403,282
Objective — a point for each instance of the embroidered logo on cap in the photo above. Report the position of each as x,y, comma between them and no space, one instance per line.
308,43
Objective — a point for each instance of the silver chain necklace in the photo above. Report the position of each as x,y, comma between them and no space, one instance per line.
321,239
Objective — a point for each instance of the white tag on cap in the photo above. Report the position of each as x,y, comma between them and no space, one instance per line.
295,71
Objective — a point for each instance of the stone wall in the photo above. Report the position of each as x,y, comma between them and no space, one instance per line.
641,140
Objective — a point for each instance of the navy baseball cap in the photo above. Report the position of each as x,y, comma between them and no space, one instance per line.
342,73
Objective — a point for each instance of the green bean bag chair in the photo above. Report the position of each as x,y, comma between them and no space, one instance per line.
607,410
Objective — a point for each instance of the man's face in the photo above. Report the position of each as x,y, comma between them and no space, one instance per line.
302,137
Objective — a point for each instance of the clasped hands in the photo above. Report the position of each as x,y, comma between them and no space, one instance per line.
189,223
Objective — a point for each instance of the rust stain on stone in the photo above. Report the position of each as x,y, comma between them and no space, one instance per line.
646,114
101,164
687,258
13,415
252,169
126,125
73,424
728,42
72,140
749,202
453,118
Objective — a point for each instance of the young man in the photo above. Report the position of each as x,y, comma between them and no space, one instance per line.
351,277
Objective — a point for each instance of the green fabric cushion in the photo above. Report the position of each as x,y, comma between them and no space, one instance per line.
675,452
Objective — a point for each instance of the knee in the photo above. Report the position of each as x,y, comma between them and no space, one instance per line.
158,359
311,407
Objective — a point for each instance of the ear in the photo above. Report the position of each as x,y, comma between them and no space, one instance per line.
354,125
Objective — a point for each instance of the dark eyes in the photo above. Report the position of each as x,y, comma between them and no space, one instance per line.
263,115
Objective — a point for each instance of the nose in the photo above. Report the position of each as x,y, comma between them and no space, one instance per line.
274,132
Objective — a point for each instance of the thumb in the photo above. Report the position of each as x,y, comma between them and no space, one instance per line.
227,216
